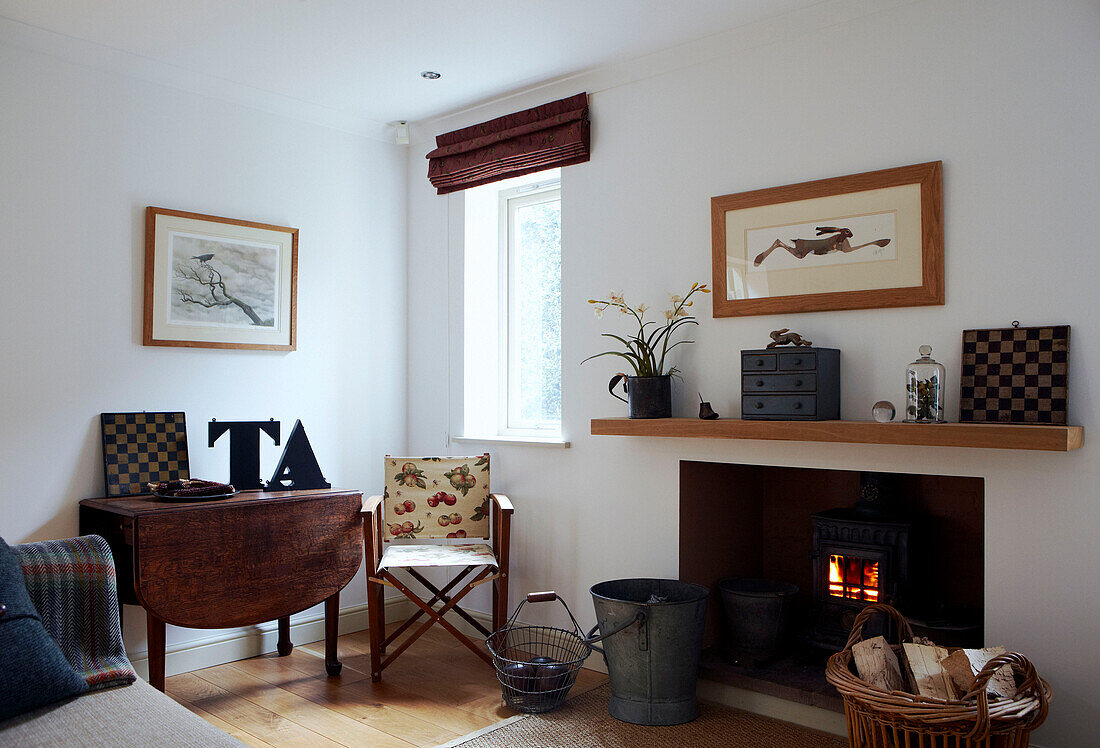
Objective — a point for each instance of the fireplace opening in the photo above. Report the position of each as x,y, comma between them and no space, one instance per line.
846,539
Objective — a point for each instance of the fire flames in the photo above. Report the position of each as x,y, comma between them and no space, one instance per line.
853,578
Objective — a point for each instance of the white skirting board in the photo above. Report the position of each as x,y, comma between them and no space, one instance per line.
252,641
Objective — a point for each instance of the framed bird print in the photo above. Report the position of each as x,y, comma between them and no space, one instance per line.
860,241
214,282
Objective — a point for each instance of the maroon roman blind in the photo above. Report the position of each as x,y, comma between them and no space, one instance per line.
543,137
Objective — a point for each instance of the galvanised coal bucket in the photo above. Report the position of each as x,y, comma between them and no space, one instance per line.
653,664
757,616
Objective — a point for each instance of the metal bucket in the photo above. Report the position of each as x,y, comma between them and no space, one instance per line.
758,616
654,664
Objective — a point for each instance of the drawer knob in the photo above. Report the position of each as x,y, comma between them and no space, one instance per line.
759,382
797,361
759,405
759,362
798,383
798,406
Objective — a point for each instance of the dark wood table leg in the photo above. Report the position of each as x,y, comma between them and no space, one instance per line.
156,651
285,645
332,631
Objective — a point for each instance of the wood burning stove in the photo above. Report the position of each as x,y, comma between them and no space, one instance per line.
860,556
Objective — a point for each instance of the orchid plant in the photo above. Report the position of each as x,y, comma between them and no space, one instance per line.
647,349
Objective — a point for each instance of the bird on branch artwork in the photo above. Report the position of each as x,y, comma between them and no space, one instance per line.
203,284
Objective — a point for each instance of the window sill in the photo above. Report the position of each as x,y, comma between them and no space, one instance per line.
521,441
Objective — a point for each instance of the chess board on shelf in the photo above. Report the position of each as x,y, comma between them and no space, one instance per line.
1015,375
142,447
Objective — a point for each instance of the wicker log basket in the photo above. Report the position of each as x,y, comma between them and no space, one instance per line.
895,719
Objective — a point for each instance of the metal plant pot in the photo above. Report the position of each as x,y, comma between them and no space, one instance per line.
646,397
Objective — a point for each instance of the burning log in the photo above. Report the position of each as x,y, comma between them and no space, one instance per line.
926,672
963,666
877,664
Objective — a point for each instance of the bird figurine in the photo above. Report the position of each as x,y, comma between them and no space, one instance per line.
204,258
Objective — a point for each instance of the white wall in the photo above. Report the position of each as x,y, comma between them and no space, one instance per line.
82,153
1005,94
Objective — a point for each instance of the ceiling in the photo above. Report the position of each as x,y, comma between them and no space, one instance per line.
364,57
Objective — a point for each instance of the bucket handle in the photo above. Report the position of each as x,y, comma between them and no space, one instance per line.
543,597
639,618
614,381
550,596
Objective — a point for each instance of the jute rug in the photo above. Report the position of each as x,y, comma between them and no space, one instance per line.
584,723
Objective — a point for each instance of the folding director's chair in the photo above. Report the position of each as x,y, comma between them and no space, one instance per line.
445,500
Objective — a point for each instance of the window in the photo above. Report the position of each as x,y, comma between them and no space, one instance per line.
512,308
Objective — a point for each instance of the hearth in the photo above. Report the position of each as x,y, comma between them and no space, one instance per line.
860,556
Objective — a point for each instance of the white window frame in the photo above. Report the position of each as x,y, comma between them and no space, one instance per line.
510,200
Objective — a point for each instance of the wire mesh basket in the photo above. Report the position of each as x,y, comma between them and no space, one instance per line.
537,665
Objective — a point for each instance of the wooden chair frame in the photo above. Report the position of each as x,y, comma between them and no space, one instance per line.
500,522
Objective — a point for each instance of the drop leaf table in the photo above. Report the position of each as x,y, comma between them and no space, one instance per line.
253,557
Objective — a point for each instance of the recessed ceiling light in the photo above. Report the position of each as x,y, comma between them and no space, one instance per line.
430,75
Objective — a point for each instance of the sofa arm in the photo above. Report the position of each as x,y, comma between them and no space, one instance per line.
72,585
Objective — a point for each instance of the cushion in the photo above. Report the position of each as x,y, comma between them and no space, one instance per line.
468,554
33,671
72,585
437,497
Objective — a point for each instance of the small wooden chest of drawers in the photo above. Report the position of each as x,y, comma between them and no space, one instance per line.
791,384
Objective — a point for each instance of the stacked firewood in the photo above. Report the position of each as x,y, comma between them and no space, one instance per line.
928,670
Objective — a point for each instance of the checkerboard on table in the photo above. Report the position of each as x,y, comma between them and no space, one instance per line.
1015,375
142,447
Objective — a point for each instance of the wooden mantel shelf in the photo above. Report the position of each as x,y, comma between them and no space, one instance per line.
978,435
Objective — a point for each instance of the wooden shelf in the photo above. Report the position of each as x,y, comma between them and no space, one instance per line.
977,435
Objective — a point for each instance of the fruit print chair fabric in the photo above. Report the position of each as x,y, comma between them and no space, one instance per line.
443,500
437,497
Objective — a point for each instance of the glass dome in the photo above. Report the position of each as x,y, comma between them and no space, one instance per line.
924,389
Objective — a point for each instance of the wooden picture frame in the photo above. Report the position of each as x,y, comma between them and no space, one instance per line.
213,282
894,218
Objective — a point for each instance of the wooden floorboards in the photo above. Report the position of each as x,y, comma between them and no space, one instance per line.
435,692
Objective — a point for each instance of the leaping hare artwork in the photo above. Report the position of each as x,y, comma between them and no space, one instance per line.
838,242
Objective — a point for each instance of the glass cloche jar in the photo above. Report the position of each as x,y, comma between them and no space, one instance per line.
924,389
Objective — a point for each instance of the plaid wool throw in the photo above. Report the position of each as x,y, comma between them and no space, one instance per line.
72,584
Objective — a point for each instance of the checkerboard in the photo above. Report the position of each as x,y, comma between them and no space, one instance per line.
1015,375
142,447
